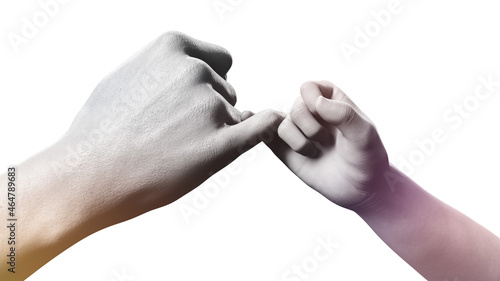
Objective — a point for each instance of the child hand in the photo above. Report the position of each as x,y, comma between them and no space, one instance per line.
332,146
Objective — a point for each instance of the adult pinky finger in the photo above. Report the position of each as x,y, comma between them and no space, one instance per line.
246,114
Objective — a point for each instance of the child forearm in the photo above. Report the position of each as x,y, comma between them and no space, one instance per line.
435,239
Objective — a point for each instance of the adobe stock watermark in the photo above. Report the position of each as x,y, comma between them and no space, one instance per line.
222,7
31,26
305,268
121,275
364,35
453,118
202,197
119,110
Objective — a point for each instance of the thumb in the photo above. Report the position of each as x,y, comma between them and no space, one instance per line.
254,129
343,116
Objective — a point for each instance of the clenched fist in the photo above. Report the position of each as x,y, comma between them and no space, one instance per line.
329,143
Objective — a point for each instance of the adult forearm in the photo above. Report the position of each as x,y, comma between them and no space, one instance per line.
54,210
435,239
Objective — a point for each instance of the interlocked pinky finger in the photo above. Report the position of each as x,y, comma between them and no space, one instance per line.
292,135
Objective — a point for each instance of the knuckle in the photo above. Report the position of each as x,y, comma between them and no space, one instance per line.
210,105
298,110
326,83
172,36
273,118
199,70
173,39
306,86
312,131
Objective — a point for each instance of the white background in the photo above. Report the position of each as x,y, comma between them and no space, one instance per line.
264,220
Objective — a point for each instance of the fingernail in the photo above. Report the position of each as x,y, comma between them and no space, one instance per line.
322,102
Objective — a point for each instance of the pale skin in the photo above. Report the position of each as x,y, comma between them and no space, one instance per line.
164,121
329,143
153,130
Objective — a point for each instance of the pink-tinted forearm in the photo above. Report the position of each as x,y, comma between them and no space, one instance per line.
435,239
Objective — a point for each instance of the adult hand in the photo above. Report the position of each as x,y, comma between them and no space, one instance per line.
153,130
164,122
